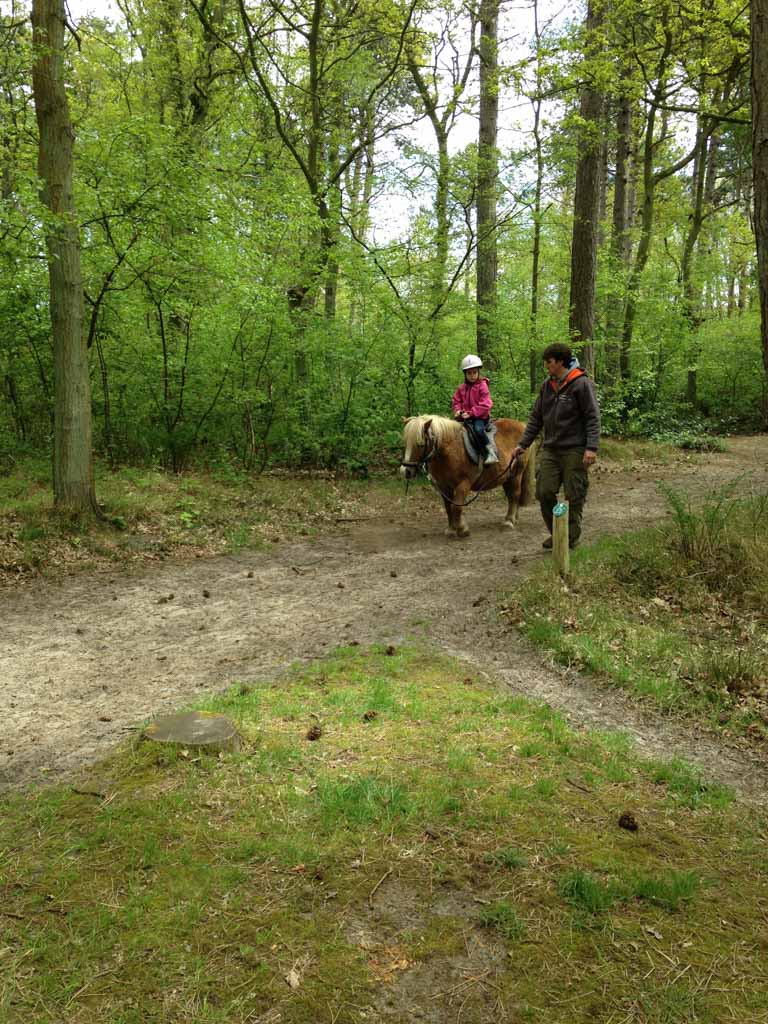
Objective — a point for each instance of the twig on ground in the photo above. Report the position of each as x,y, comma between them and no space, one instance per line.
380,882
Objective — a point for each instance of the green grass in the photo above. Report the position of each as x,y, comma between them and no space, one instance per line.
460,849
509,857
676,615
504,918
591,895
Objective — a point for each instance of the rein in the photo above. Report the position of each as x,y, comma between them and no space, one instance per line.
480,490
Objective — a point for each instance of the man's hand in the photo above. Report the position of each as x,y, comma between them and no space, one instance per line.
518,452
589,458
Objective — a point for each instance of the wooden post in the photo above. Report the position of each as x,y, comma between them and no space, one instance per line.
560,550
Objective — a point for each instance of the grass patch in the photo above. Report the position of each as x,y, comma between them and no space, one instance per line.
677,615
458,834
587,893
503,917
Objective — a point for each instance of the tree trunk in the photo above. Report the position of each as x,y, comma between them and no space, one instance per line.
759,84
586,210
333,231
620,232
72,468
487,176
534,355
651,179
442,225
703,198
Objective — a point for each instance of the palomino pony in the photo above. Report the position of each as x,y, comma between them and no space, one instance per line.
436,445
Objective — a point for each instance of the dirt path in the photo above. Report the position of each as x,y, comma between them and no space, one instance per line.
85,659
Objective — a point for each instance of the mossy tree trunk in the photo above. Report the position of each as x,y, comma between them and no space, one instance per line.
759,85
487,176
586,211
72,467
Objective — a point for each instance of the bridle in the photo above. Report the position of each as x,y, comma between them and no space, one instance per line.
420,465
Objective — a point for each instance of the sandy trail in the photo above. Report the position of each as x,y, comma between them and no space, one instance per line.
85,659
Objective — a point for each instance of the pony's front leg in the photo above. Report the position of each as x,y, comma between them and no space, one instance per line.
450,511
460,497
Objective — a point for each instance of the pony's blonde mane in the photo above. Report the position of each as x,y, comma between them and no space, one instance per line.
440,428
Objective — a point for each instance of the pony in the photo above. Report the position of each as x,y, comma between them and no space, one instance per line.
435,444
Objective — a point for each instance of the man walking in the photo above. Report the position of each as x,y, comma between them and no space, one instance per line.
566,409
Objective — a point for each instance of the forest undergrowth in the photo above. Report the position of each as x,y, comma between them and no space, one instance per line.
151,515
677,613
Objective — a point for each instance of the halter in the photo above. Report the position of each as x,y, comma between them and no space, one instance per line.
422,463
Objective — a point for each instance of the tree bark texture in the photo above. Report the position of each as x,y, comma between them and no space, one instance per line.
487,176
759,85
586,210
72,469
621,246
704,176
534,355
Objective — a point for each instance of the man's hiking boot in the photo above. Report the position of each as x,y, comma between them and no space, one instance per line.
547,544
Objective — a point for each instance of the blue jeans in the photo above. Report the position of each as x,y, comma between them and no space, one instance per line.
480,426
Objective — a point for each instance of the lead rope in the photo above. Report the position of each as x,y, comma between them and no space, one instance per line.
481,490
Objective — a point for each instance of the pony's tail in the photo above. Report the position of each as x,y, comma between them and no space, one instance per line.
528,482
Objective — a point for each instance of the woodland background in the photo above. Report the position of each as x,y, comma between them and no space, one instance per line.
288,235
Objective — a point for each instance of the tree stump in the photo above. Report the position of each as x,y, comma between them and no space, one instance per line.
200,731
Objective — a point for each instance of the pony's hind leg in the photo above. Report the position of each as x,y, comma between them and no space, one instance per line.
512,490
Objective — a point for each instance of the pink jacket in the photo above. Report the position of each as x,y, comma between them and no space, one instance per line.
473,398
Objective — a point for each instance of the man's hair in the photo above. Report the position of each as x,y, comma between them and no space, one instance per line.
558,351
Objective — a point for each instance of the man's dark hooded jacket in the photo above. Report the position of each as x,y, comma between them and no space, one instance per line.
567,411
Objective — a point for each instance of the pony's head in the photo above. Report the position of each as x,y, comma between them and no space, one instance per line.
422,437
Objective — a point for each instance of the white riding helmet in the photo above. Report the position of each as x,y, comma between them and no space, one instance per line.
471,363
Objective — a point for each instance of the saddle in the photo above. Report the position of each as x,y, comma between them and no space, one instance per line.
474,449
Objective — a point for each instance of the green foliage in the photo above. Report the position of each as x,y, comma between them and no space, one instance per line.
669,891
702,535
590,895
266,286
